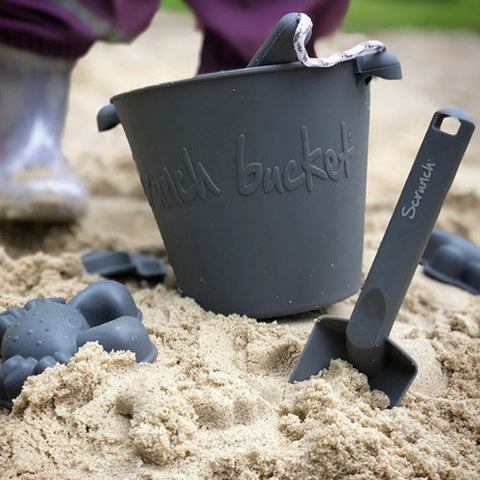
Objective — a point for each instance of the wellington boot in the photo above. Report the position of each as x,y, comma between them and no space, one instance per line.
36,181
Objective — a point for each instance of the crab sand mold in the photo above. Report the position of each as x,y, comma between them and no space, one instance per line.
47,331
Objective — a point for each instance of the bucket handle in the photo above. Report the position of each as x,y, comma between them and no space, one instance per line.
107,118
380,63
302,35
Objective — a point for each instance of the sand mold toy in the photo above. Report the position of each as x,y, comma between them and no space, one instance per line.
121,264
47,331
453,259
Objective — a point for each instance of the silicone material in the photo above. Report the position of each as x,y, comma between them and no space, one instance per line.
453,259
47,331
256,172
278,46
363,340
107,118
117,264
383,65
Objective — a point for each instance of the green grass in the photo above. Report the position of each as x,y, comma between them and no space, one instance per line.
366,15
173,5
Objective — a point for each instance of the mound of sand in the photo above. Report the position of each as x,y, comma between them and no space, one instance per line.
216,404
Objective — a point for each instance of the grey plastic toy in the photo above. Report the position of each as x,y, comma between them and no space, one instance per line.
453,259
119,264
107,118
257,180
48,330
363,340
278,46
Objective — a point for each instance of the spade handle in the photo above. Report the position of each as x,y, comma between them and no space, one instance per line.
407,234
278,46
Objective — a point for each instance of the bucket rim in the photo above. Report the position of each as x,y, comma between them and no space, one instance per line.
240,72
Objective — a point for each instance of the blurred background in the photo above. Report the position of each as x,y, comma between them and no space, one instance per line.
367,15
437,42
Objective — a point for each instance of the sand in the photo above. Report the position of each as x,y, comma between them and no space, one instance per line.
215,404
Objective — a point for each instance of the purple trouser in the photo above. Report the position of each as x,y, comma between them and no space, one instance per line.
233,29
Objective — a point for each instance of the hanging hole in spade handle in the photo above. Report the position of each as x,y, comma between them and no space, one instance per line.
452,122
446,124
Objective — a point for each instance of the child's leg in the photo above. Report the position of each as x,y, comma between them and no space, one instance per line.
39,43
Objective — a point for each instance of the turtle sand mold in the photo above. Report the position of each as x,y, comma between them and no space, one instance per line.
215,404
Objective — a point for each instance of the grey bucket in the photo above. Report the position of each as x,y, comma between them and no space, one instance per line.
257,180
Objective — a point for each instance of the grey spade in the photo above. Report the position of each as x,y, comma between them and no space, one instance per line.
364,340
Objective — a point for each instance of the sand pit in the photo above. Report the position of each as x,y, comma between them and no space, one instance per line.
215,404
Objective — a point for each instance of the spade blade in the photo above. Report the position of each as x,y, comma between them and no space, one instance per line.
388,367
328,342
